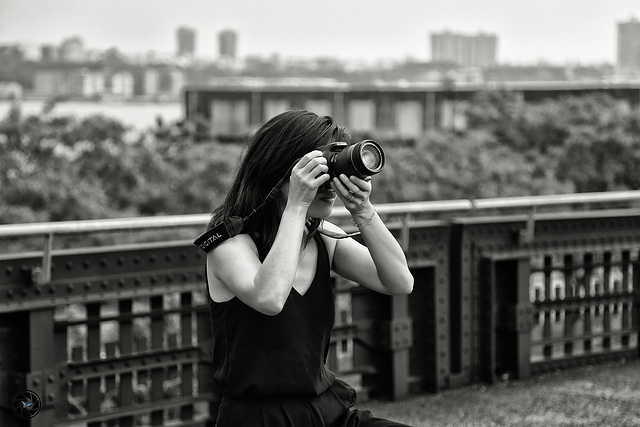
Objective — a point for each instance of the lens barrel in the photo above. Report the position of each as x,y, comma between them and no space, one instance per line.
362,159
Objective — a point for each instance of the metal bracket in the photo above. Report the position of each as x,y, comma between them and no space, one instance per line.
392,335
46,384
401,334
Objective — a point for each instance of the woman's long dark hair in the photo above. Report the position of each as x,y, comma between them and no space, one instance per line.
270,153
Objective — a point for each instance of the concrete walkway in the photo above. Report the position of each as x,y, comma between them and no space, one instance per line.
600,395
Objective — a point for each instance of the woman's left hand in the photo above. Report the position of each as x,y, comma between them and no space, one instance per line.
354,193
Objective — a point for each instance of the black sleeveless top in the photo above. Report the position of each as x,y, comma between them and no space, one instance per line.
258,356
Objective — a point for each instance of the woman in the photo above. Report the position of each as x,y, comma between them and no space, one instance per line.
271,299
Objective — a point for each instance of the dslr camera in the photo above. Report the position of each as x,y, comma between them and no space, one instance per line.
362,159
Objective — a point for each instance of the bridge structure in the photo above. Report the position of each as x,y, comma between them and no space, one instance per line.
106,321
230,108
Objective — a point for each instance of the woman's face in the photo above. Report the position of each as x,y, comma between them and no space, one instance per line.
322,204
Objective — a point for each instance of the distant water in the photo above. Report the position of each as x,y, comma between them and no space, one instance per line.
138,115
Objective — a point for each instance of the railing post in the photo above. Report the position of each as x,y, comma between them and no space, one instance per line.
401,338
401,341
45,376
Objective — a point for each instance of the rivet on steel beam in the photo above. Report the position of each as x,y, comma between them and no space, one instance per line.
103,262
8,271
87,286
69,287
120,261
104,284
9,293
121,283
69,265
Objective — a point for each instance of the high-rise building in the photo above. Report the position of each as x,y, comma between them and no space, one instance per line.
186,41
72,50
465,50
629,44
227,42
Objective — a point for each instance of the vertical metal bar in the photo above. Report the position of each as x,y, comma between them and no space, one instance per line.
60,392
41,357
110,383
547,328
186,411
588,272
492,330
94,396
400,356
400,318
569,293
587,328
606,315
157,374
46,259
523,343
126,349
405,232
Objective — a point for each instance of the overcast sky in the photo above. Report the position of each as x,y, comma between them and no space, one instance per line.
528,31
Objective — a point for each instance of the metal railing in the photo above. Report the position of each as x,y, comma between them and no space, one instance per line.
405,210
505,286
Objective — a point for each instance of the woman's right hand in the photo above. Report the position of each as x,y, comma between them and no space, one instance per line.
308,174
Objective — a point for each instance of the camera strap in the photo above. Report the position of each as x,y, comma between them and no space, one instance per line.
232,226
227,229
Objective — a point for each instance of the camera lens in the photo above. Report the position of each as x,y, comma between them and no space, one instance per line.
362,159
371,157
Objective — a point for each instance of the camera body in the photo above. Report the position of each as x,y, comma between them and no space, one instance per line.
362,159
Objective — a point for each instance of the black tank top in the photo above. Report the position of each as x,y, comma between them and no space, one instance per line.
257,356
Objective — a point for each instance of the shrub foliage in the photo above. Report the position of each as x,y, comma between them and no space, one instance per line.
63,168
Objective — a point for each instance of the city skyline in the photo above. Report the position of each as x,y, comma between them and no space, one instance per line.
571,31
